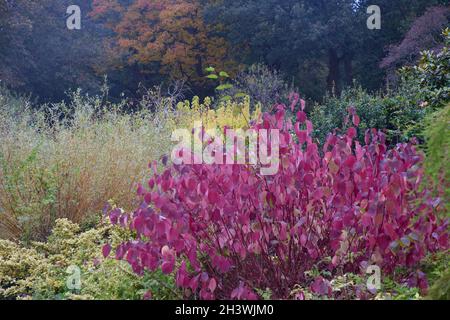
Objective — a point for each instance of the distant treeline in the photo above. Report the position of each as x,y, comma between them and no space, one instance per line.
316,45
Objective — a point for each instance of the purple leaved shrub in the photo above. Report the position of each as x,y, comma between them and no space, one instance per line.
225,230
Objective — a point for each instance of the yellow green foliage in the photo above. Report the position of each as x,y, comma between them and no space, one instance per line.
40,270
231,113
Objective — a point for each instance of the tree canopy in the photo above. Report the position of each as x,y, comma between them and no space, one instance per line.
318,45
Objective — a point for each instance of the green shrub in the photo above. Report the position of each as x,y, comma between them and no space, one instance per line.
398,113
331,113
67,160
423,89
441,289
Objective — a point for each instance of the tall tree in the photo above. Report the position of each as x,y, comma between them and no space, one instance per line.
284,34
425,34
39,55
169,36
331,35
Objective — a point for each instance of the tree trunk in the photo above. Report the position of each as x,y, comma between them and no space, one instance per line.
199,66
333,71
348,69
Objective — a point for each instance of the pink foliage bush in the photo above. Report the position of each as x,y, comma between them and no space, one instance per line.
224,230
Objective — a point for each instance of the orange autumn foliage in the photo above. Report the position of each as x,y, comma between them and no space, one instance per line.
169,36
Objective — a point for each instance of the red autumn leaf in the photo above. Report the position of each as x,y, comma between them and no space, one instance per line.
106,250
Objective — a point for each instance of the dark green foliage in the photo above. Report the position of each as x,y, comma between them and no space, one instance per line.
285,34
317,45
441,289
330,114
436,266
